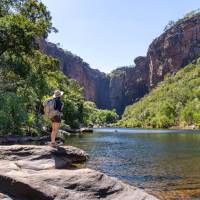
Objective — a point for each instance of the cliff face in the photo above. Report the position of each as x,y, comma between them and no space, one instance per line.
128,84
174,49
95,83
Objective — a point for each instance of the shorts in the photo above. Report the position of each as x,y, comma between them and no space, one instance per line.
56,119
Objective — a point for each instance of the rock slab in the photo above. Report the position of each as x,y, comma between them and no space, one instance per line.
24,176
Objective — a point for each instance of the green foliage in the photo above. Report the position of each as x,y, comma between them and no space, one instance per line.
94,116
190,114
175,102
37,13
21,23
192,13
22,67
12,112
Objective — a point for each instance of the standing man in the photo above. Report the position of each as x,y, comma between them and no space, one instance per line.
56,120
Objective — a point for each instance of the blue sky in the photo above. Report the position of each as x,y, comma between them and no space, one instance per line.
111,33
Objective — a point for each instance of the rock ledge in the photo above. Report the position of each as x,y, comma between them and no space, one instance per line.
31,172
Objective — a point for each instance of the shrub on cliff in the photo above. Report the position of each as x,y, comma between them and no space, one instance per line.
187,16
174,102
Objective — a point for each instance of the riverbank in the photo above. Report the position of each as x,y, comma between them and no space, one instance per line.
192,127
24,139
46,173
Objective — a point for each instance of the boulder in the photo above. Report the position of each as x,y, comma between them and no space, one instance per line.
24,176
42,157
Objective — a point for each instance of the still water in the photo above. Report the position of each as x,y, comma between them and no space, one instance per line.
165,163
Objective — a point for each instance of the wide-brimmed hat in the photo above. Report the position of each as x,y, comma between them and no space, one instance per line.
58,93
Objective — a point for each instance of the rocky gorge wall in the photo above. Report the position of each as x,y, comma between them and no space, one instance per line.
177,47
95,83
168,53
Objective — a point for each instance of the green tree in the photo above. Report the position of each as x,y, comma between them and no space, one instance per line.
22,67
12,113
94,116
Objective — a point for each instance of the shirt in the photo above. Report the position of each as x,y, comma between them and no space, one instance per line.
58,104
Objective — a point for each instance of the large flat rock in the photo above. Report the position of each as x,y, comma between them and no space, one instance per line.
42,157
20,181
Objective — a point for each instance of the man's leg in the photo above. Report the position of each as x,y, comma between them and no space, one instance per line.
55,127
53,137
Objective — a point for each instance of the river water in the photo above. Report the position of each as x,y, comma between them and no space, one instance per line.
165,163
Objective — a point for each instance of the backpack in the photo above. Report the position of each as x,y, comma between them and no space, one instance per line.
49,108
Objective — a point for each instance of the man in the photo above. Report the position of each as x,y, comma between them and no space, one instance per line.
56,120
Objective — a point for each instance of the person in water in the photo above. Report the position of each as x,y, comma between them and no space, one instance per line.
57,119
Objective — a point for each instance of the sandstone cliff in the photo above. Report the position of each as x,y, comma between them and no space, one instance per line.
95,83
174,49
128,84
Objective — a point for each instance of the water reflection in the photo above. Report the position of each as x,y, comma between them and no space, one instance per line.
165,162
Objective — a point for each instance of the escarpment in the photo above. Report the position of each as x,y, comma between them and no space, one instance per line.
168,53
95,83
174,49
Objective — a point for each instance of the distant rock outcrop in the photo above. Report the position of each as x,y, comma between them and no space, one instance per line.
174,49
128,84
